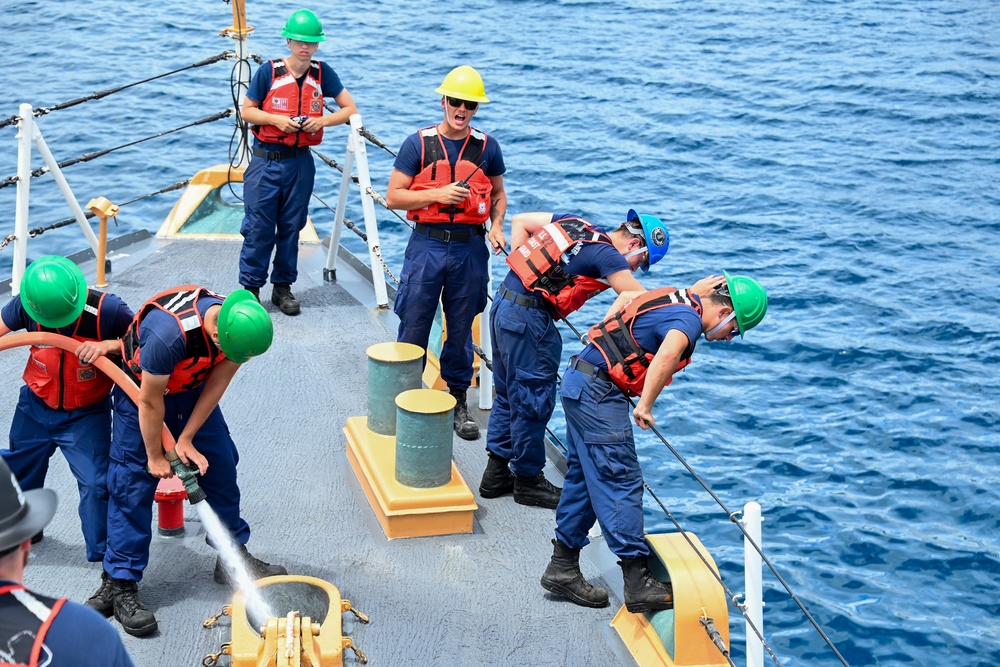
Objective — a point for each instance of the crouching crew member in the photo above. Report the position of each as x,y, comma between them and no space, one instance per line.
65,402
635,352
449,179
36,630
183,347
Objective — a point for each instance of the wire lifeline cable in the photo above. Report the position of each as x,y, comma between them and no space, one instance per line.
732,518
87,157
41,111
37,231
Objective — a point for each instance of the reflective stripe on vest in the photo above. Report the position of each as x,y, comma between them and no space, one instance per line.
538,264
627,361
201,355
57,376
436,172
25,619
287,98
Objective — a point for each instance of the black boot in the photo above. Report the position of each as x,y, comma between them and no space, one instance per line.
103,601
465,426
643,592
256,568
563,577
536,491
498,480
282,297
253,290
135,617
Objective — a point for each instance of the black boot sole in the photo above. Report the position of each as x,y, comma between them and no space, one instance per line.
468,436
575,599
531,502
646,607
494,492
106,612
141,631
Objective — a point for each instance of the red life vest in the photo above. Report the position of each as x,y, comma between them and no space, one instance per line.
58,377
537,264
201,355
436,171
627,361
26,620
287,98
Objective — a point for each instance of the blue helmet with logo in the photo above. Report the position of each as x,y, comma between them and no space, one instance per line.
656,233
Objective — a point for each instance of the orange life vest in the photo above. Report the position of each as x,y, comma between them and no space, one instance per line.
436,171
627,361
537,264
201,356
20,611
287,98
58,377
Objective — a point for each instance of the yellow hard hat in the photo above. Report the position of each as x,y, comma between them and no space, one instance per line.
464,83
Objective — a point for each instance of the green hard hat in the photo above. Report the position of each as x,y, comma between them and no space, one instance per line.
749,301
53,291
303,26
245,328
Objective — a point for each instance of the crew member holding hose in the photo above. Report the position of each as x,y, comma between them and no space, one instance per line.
65,402
183,348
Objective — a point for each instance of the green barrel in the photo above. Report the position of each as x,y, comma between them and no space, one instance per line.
392,369
424,429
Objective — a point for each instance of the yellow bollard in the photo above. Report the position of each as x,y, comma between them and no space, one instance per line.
103,209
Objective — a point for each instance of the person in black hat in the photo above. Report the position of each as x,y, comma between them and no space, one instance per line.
34,629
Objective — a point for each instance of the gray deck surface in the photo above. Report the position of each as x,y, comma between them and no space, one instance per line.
460,600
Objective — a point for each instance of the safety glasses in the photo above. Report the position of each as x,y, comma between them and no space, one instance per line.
456,103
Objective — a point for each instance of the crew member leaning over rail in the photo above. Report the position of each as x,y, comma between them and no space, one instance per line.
634,352
65,402
559,262
449,179
285,104
183,348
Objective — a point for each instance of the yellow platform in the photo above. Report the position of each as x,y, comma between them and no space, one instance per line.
203,184
696,591
405,511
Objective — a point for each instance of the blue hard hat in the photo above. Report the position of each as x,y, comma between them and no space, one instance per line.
656,233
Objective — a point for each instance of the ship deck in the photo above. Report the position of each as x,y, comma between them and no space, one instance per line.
459,600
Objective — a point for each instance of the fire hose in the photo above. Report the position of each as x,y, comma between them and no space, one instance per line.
119,377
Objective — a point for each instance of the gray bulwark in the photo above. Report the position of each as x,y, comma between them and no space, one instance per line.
460,600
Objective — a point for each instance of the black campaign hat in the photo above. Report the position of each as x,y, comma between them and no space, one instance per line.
22,513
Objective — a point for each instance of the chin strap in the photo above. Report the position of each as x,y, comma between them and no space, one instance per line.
721,324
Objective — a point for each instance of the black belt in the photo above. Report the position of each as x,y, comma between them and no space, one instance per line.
459,236
279,155
589,369
520,299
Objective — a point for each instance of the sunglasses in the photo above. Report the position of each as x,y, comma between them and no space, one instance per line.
455,102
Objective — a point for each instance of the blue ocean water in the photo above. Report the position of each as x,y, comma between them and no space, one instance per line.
843,153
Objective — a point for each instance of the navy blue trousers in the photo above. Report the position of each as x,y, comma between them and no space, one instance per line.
84,436
454,273
603,477
130,511
276,198
527,348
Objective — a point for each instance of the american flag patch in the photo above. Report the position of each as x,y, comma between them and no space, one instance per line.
279,103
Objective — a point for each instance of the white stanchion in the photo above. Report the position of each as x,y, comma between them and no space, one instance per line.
754,597
26,130
486,344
